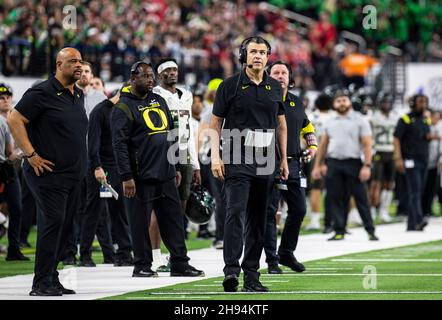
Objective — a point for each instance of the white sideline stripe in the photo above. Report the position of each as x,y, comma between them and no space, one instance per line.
386,260
293,292
363,274
267,281
329,269
106,281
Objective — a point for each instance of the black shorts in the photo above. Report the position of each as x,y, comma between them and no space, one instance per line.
383,167
186,181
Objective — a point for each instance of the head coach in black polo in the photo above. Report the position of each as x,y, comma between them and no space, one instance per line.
250,101
49,124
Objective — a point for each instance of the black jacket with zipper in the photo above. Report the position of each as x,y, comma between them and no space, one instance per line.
140,129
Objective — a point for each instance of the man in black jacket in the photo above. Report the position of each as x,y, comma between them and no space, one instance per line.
102,169
140,124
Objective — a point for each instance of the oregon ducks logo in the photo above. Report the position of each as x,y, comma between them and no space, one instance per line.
292,104
268,88
147,118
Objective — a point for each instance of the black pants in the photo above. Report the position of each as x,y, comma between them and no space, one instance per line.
103,230
246,210
401,194
12,195
29,210
57,200
295,198
415,178
215,188
342,183
165,200
430,191
97,210
328,215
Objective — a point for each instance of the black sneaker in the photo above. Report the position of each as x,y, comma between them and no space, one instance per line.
205,234
108,260
87,262
123,263
188,272
274,269
46,292
63,290
25,244
327,230
69,261
337,237
230,283
254,286
372,237
144,273
292,263
421,226
16,256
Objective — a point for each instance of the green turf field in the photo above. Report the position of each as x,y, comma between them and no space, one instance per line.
412,272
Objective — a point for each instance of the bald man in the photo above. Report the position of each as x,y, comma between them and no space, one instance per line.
50,124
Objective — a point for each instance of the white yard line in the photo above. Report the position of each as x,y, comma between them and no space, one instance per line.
105,281
190,293
387,260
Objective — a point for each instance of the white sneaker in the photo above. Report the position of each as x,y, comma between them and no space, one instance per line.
313,225
354,217
385,217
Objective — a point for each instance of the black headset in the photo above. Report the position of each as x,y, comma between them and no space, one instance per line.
133,69
413,99
243,47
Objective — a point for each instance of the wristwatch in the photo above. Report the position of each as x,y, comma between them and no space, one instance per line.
367,165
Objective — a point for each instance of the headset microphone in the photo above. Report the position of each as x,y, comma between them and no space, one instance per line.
250,66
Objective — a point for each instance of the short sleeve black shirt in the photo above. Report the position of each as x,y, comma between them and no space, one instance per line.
412,130
296,121
57,127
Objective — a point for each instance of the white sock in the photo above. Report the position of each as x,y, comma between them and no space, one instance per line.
156,254
386,197
373,212
2,218
315,217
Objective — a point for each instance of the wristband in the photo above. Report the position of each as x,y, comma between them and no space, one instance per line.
31,155
310,139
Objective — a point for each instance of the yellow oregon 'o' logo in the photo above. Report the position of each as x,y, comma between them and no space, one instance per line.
149,122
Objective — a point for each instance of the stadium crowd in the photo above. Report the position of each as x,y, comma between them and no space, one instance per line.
202,35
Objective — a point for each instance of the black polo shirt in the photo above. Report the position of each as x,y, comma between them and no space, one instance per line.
412,130
57,127
247,105
297,123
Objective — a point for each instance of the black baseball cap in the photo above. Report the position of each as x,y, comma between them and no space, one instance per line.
5,89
